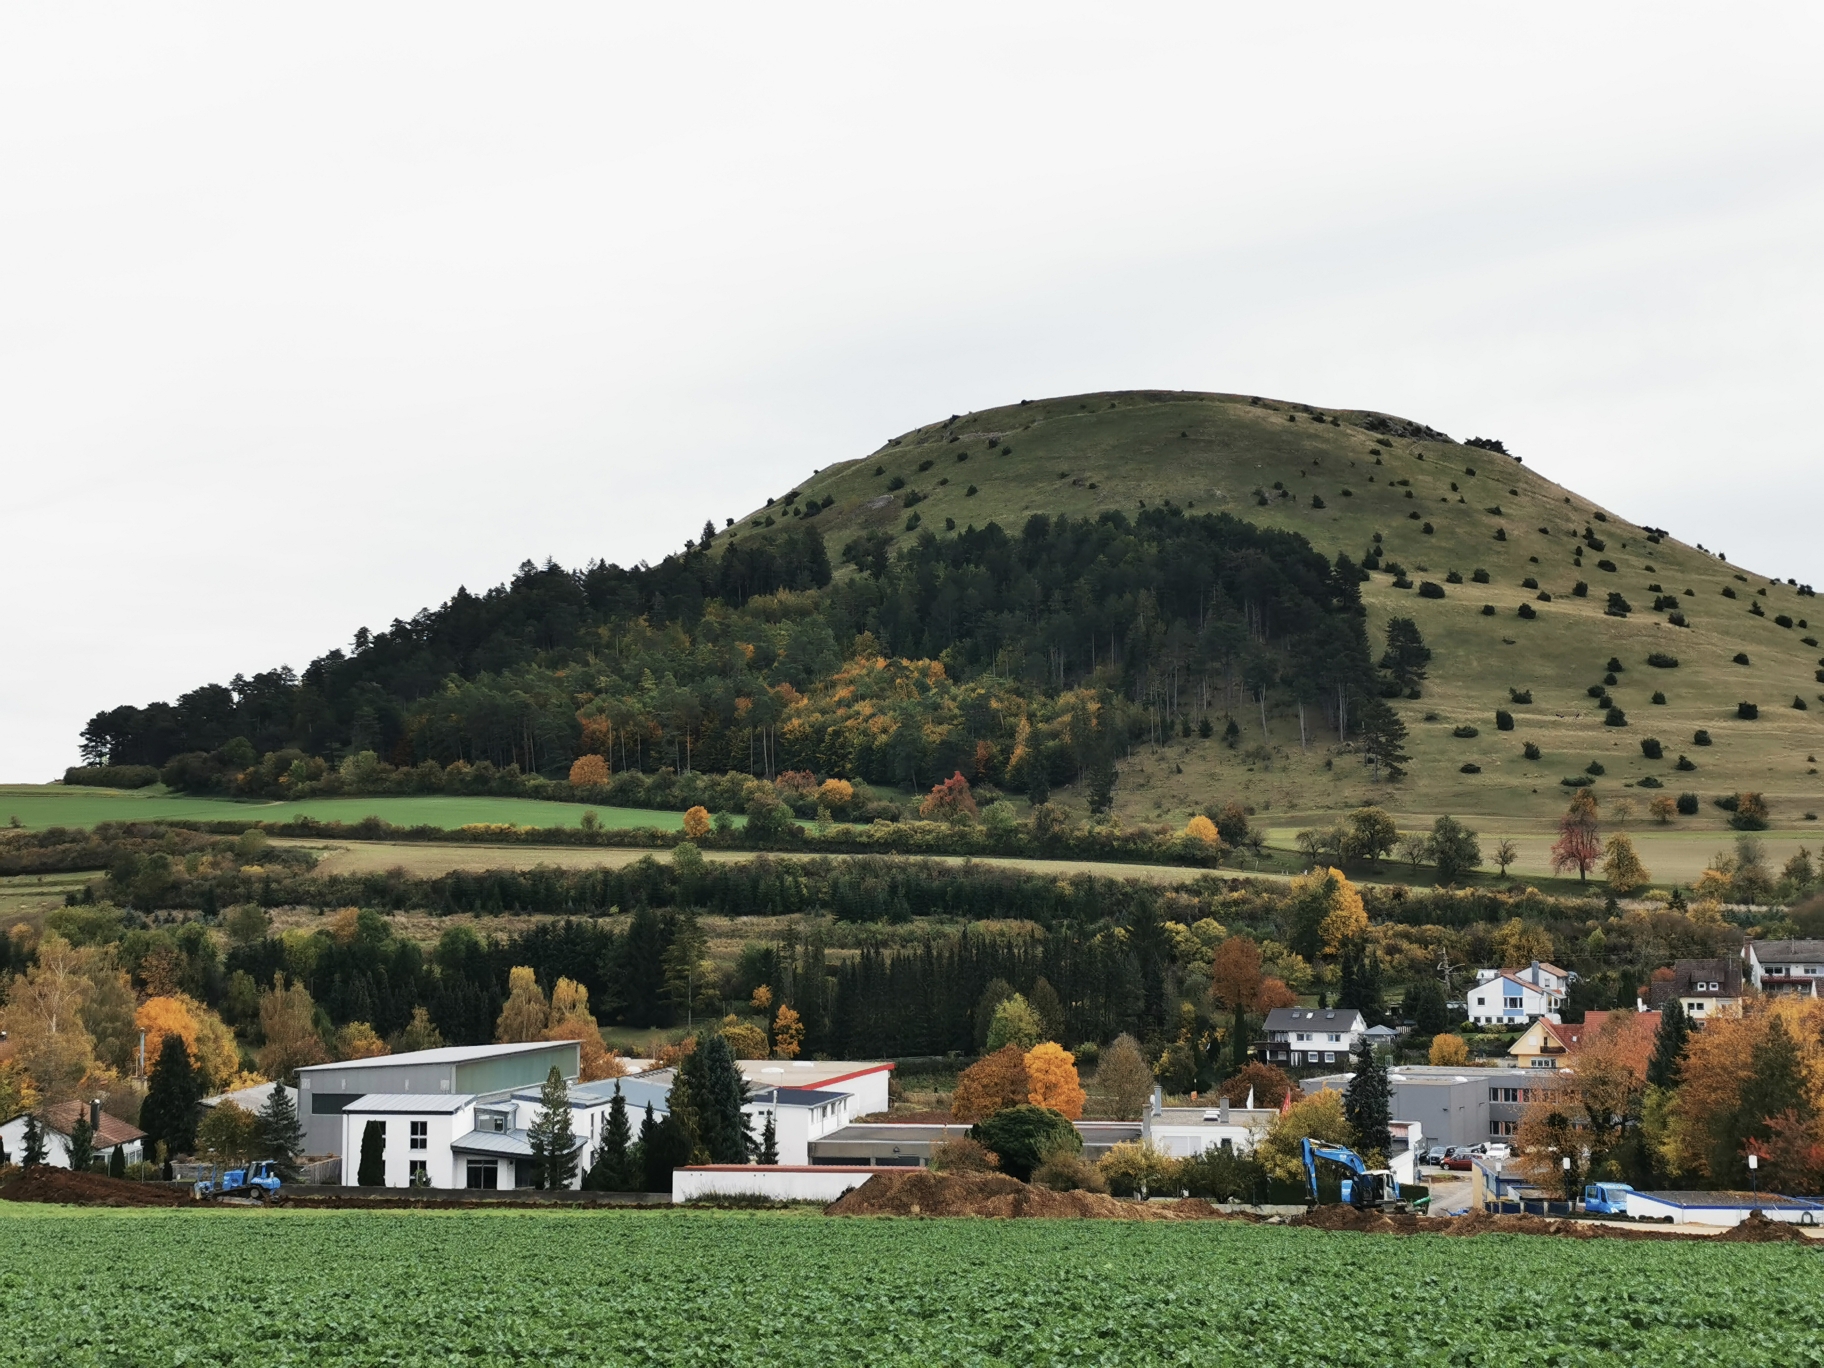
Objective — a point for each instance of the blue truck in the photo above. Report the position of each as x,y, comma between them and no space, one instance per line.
1606,1199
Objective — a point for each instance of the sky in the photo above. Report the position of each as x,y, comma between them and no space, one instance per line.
310,314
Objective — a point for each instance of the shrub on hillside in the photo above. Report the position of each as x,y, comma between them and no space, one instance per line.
1615,717
1658,697
1531,750
1687,804
1700,737
1528,611
1504,720
111,776
1684,763
1431,590
1465,732
1470,768
1652,749
1659,660
1595,767
1519,695
1479,575
1580,590
1747,712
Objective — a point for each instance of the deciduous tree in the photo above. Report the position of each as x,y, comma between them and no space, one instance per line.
1622,866
357,1040
1124,1078
1579,844
788,1034
288,1020
1014,1023
992,1083
1318,1117
1448,1050
526,1013
696,822
1053,1075
1267,1085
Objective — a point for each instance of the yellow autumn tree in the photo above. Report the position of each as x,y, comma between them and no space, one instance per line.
1332,906
44,1020
696,822
1203,829
1053,1074
1449,1051
588,770
788,1034
357,1040
1319,1117
288,1021
1622,866
525,1014
205,1035
571,1019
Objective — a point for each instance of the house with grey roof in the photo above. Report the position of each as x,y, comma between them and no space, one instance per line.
1299,1037
1785,966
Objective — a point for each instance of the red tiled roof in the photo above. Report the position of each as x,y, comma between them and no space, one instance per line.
61,1118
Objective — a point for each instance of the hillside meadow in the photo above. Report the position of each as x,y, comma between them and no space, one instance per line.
1271,462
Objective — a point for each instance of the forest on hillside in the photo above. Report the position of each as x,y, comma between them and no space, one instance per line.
1021,659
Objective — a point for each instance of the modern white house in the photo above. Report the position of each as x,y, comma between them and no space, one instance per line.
867,1082
325,1091
1184,1132
59,1119
1786,966
1298,1037
800,1115
1501,999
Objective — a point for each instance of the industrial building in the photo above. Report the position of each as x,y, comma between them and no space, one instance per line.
1466,1106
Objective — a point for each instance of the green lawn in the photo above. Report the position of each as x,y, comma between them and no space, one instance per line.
604,1287
46,805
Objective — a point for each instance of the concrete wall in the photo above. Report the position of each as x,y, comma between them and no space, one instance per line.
1645,1206
440,1131
793,1184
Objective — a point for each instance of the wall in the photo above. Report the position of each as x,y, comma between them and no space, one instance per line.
821,1184
440,1131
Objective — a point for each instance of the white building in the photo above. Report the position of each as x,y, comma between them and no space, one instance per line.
868,1083
57,1121
1501,999
1786,966
800,1115
1184,1132
1297,1037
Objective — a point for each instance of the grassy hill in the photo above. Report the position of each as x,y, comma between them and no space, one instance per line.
1441,509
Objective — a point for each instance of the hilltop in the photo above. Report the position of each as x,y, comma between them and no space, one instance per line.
1354,483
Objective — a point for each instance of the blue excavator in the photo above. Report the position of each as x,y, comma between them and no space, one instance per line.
1365,1189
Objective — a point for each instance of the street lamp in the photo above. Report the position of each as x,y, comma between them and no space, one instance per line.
1754,1163
1570,1193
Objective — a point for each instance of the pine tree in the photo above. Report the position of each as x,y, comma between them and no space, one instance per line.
282,1132
117,1162
611,1171
82,1143
1383,738
372,1172
1775,1085
550,1136
713,1084
769,1142
169,1111
639,1152
34,1142
1668,1045
1368,1103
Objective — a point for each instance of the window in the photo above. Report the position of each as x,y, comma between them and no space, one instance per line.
420,1135
1329,1056
484,1173
420,1175
1512,1004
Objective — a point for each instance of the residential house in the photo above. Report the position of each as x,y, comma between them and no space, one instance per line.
1298,1037
1500,998
868,1082
1703,987
1786,966
1551,1044
59,1119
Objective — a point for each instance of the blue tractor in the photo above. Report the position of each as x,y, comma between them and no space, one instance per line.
1365,1189
257,1183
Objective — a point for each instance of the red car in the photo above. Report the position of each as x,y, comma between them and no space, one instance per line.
1458,1161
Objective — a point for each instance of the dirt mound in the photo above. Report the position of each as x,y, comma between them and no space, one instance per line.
1471,1223
919,1192
1757,1229
45,1184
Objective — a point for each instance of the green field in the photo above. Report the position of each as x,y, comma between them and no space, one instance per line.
1085,454
47,805
220,1288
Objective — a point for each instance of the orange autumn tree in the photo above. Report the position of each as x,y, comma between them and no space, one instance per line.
587,771
992,1084
1053,1074
1579,844
788,1034
950,801
571,1019
205,1035
1752,1079
696,822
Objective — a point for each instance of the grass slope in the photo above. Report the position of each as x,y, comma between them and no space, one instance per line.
612,1287
47,805
1208,452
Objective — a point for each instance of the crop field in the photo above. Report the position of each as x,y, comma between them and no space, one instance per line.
322,1288
46,805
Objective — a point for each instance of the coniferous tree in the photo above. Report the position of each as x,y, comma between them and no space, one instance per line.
669,1148
372,1172
282,1132
1668,1045
1775,1086
717,1093
117,1162
34,1142
169,1111
769,1142
552,1140
1383,737
1368,1102
639,1152
617,1138
82,1142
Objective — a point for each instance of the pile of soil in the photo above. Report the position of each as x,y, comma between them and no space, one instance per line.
1757,1229
42,1183
919,1192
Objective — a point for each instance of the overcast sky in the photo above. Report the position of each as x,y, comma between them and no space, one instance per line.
309,314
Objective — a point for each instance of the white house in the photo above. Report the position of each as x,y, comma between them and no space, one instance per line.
800,1115
1548,977
1301,1036
1501,999
868,1083
1786,966
58,1119
1184,1132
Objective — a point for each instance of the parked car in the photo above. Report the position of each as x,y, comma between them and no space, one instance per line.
1493,1149
1435,1155
1458,1160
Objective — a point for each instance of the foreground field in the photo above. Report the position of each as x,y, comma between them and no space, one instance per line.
704,1288
46,805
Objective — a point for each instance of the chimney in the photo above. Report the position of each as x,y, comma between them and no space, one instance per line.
95,1115
1222,1112
1158,1099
